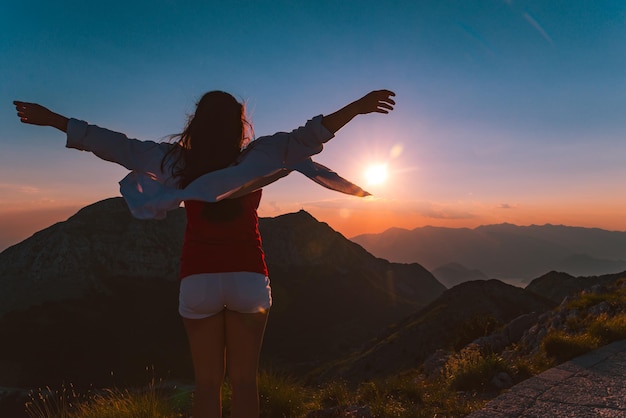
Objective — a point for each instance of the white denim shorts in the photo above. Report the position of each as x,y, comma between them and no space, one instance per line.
204,295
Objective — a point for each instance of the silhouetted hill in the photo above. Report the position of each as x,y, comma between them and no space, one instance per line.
98,293
586,265
71,258
459,316
505,251
557,285
329,290
452,274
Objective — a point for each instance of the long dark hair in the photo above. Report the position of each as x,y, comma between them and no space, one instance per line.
213,139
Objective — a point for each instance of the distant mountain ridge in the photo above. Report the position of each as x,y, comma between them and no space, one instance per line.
504,251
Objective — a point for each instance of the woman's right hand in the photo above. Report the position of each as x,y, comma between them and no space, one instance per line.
36,114
377,101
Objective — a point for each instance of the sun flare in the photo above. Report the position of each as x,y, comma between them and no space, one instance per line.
376,174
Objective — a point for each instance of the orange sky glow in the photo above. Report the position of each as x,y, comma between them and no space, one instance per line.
498,117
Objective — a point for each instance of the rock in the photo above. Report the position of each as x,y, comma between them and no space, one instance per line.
502,381
12,402
516,328
493,343
572,314
600,308
434,365
597,289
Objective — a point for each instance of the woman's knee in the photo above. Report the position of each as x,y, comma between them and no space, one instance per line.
243,379
244,388
207,379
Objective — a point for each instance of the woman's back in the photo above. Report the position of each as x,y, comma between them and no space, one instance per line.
219,245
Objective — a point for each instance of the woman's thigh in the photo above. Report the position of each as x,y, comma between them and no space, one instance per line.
244,337
207,343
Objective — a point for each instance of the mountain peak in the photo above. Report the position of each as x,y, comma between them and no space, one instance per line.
104,271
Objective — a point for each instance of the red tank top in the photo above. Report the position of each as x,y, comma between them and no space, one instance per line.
224,246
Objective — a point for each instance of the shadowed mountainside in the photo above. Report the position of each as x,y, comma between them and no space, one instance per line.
104,286
70,259
462,314
505,251
557,285
452,274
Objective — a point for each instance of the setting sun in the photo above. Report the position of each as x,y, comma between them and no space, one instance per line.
376,174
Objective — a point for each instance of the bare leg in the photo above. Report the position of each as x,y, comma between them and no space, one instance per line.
244,336
206,339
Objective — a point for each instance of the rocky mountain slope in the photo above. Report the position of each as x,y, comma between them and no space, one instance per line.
557,285
98,293
72,258
462,314
505,251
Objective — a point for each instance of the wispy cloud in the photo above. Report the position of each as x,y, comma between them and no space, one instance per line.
506,206
6,188
425,209
533,22
441,211
477,37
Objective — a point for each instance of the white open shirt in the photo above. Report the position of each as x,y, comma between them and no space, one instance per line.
151,191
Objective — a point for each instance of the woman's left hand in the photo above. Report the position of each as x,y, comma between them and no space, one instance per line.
36,114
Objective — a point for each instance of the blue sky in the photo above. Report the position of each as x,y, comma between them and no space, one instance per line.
507,111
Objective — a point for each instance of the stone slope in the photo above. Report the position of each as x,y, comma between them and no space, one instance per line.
557,285
71,258
462,314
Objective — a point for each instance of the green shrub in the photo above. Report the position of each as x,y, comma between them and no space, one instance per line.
563,347
54,403
282,396
112,403
531,365
471,370
398,396
588,300
474,327
336,393
608,329
122,404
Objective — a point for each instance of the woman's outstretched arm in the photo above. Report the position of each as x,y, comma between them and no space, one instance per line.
108,145
36,114
378,101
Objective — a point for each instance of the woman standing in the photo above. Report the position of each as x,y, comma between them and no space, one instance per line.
225,293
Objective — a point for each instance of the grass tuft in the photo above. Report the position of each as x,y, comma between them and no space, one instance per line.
562,346
149,402
470,369
608,329
282,396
